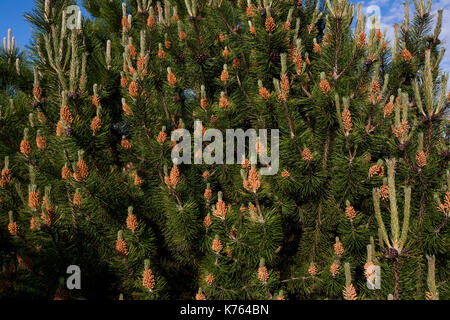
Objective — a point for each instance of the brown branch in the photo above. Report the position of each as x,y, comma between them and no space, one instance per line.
291,127
326,149
229,27
242,88
443,223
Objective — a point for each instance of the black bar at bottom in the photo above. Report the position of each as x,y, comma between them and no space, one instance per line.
179,310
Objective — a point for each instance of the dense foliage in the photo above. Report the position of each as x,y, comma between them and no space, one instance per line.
88,177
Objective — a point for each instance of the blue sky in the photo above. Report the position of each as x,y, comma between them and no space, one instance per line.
391,12
12,17
11,13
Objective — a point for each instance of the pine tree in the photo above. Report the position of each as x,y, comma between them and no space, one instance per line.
89,179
